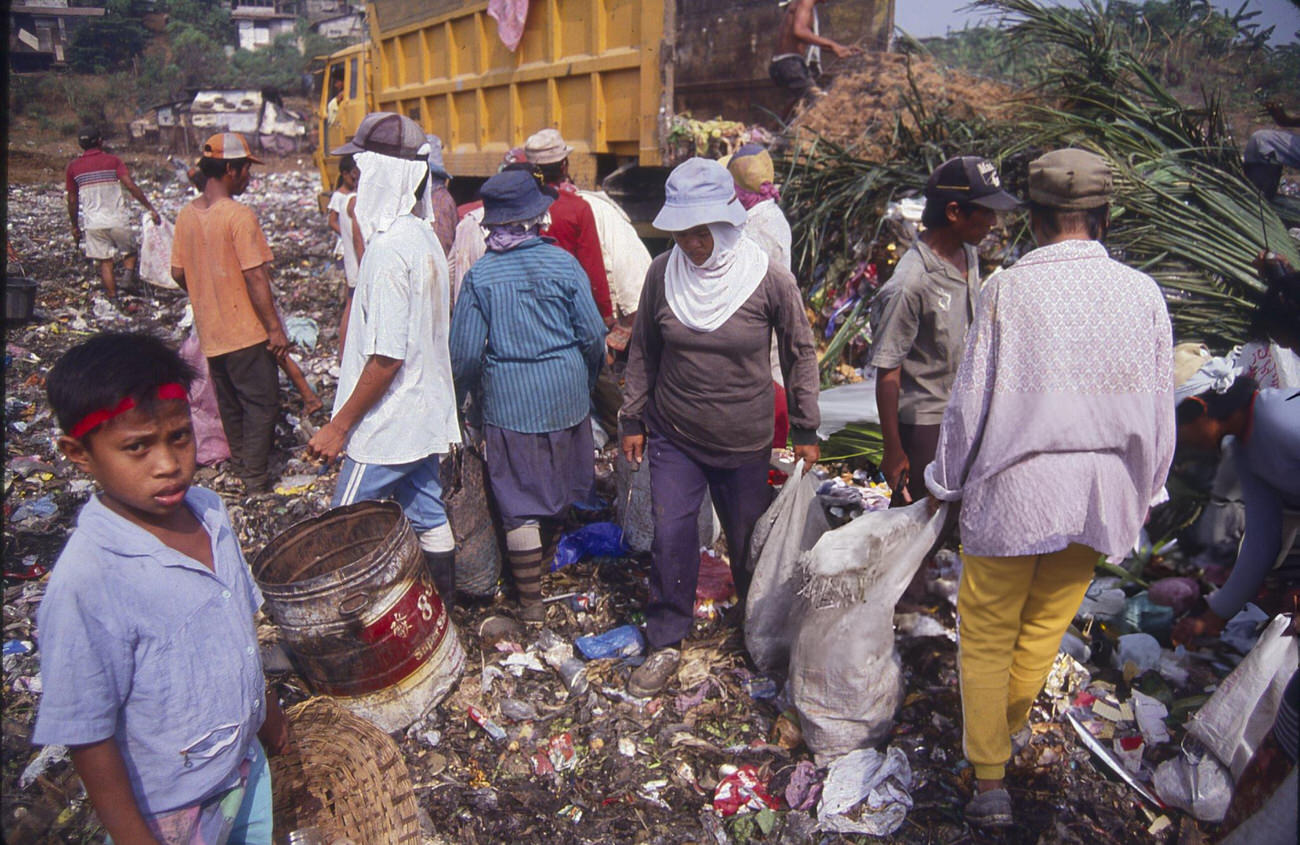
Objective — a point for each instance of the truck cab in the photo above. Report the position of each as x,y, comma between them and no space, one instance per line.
345,98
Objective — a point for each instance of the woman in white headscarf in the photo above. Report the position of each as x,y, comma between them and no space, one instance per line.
698,393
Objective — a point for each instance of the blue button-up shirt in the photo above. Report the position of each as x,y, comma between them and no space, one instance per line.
143,644
527,331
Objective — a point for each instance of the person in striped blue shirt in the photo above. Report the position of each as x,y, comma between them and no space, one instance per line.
528,343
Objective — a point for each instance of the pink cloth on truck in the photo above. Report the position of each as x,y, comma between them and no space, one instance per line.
209,436
510,15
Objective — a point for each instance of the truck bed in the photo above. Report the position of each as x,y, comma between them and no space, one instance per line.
607,73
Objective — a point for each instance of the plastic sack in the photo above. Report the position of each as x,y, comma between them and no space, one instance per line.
866,792
155,265
479,543
848,404
1241,712
599,539
633,507
790,527
844,671
209,436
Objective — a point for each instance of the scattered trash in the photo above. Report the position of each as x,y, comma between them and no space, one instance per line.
489,727
1115,765
1150,715
302,331
624,641
1242,631
805,786
18,647
742,791
47,756
866,792
42,508
1177,593
1105,599
1142,650
1143,614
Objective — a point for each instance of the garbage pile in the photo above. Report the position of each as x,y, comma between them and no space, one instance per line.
540,740
870,92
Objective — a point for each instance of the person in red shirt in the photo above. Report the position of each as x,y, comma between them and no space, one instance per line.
94,183
573,226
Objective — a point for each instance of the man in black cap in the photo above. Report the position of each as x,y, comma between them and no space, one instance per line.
94,184
923,312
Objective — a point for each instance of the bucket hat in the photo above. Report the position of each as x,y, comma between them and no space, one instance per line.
969,179
436,165
388,134
228,146
698,191
512,196
546,147
1070,179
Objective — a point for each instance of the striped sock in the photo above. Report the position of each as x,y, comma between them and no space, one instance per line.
524,548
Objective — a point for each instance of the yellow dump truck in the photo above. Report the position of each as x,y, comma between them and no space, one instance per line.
609,74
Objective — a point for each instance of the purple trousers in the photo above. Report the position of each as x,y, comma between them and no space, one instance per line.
677,486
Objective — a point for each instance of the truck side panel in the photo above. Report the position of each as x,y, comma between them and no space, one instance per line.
590,68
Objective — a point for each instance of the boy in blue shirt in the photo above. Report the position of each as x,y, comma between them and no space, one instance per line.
150,665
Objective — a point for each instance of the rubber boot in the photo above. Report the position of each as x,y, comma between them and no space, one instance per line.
442,568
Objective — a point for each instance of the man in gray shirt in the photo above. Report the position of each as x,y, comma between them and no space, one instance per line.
922,314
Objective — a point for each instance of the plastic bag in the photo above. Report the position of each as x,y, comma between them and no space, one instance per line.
1199,786
844,670
879,783
633,507
209,435
599,539
156,253
790,527
1241,712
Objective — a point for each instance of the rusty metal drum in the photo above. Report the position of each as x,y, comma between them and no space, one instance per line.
359,614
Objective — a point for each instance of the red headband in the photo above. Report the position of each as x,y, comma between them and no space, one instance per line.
91,421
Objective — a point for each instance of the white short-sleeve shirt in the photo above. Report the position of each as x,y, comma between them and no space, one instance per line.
401,310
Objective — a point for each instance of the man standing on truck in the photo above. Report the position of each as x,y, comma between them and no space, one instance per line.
94,183
790,67
573,226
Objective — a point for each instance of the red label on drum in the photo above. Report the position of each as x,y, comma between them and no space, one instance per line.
400,641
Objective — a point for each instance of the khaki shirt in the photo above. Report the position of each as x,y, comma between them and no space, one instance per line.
919,322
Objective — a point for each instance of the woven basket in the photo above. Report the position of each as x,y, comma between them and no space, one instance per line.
345,776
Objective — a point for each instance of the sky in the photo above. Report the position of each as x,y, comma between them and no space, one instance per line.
922,18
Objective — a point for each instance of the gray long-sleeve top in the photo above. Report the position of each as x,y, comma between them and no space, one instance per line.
1268,461
713,390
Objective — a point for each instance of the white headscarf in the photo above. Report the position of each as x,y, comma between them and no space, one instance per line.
386,191
705,296
1215,375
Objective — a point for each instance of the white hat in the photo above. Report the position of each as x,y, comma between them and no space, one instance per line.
546,147
699,191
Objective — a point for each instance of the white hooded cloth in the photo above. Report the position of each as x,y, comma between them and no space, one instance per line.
705,296
386,190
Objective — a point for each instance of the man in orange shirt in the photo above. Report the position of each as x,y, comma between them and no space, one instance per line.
221,258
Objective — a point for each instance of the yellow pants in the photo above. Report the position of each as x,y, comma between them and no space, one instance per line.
1012,612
